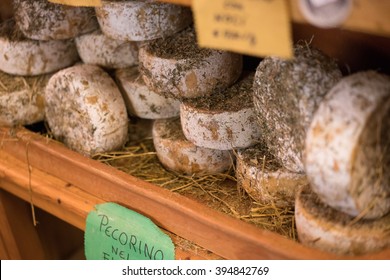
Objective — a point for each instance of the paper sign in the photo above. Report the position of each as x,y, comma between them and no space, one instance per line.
253,27
79,3
114,232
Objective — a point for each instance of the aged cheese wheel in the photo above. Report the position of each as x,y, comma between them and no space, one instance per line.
347,155
96,48
22,99
21,56
141,20
85,110
327,229
262,177
42,20
141,101
224,120
178,67
176,153
286,94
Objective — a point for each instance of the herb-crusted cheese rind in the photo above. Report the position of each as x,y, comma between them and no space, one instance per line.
85,110
286,95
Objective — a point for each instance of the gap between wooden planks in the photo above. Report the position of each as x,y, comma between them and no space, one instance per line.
217,232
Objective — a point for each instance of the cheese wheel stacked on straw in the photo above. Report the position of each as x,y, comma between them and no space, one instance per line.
262,177
224,120
347,156
176,153
22,99
42,20
85,110
96,48
327,229
141,101
286,95
177,67
141,20
26,57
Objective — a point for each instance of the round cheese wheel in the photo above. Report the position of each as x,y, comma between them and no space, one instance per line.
176,153
347,155
21,56
141,20
141,101
264,179
85,110
224,120
22,99
96,48
178,67
42,20
327,229
286,95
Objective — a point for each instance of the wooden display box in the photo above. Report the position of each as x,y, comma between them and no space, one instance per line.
68,185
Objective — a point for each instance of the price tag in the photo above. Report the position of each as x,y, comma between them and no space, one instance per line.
253,27
114,232
79,3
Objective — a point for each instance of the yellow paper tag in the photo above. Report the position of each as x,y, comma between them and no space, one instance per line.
253,27
79,3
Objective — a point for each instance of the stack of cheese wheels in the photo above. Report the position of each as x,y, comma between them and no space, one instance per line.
26,57
325,228
177,67
286,94
347,156
96,48
21,99
262,177
141,20
224,120
42,20
141,101
176,153
85,110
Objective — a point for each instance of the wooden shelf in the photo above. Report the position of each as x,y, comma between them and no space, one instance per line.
68,185
371,17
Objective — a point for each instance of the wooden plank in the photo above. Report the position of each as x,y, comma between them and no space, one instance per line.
67,201
184,217
367,16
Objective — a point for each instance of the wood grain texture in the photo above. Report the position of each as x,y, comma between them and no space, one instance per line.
179,215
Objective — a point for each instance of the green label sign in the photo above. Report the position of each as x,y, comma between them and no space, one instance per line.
114,232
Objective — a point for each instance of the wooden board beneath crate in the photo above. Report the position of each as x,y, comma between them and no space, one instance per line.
74,183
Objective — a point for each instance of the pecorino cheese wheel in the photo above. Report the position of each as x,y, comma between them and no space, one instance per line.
347,155
286,95
327,229
22,99
178,67
96,48
262,177
176,153
224,120
42,20
25,57
141,20
85,110
141,101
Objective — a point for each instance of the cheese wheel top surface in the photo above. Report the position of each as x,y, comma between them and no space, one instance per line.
85,110
286,95
26,57
141,20
347,155
323,227
42,20
21,99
